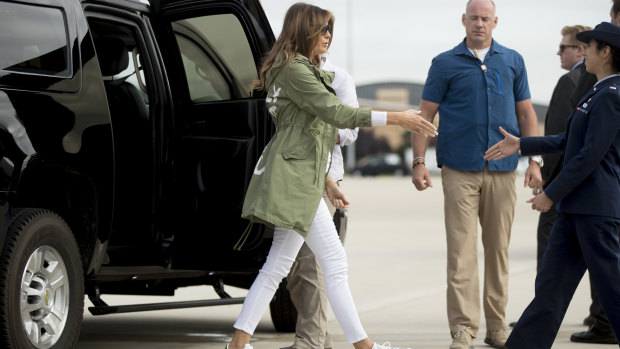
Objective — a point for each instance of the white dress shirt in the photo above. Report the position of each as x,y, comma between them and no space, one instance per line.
344,86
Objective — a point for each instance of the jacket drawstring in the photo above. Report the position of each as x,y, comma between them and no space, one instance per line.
317,162
244,237
317,156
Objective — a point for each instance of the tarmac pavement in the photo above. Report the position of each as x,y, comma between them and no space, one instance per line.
396,249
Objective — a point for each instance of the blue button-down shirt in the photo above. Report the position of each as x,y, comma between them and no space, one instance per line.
475,98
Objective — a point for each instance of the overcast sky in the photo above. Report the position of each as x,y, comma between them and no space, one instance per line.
395,40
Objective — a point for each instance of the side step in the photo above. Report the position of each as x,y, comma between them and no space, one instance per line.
104,309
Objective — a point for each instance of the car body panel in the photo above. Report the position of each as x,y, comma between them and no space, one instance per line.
170,199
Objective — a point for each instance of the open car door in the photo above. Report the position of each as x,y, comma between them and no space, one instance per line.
212,52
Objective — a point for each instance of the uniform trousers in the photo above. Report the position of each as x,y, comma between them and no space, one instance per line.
323,241
545,224
469,197
307,288
576,242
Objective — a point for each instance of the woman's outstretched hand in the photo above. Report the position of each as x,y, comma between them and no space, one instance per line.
413,121
506,147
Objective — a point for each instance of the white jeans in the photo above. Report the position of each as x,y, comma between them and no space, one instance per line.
324,242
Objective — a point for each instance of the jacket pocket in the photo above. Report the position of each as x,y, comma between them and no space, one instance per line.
299,151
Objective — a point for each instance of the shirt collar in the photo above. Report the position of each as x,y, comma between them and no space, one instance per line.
462,49
606,78
576,65
326,64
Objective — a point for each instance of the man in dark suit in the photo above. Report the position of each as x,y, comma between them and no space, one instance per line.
560,107
599,330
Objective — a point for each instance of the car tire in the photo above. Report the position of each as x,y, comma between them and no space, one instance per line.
40,259
283,312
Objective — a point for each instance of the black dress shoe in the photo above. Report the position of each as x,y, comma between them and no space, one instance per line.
592,335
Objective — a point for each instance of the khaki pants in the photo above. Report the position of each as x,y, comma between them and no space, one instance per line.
307,287
489,197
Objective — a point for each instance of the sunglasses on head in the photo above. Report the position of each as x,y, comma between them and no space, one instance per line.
325,29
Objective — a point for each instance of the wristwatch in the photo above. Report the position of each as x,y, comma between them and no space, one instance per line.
537,159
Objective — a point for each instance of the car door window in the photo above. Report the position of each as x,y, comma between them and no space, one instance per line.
34,40
217,58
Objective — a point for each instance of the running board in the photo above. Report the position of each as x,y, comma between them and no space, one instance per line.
107,309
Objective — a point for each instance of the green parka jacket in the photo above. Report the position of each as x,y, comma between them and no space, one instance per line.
289,178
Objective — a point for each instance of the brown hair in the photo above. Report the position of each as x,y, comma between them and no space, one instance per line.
615,8
300,34
573,30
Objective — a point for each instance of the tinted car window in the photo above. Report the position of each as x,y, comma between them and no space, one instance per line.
34,40
217,57
205,81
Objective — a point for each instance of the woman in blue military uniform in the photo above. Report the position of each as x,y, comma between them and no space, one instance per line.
587,194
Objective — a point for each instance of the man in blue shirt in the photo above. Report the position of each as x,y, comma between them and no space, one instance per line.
476,87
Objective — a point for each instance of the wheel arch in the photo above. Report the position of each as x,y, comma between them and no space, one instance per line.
70,194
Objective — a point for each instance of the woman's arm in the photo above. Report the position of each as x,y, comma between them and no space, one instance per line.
506,147
309,93
528,145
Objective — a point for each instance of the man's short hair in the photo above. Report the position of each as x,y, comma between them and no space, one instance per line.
573,30
616,7
493,3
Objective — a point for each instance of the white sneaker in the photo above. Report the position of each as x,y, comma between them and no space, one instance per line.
386,345
247,346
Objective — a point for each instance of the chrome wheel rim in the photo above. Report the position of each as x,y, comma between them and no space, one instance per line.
44,297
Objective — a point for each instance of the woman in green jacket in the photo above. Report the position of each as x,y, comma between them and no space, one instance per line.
292,173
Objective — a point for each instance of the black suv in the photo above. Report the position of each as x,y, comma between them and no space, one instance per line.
128,135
